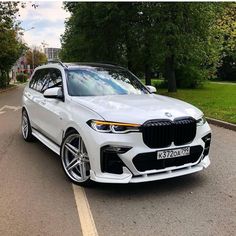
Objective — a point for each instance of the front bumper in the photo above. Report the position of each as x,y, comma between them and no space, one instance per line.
95,141
127,176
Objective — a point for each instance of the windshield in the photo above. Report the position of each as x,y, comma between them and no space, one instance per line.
98,81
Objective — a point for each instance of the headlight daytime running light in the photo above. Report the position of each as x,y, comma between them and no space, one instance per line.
201,121
113,127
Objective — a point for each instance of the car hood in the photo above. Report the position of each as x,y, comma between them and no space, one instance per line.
138,108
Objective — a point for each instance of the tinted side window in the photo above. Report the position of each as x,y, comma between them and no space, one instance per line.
38,80
55,78
42,81
33,81
52,78
46,78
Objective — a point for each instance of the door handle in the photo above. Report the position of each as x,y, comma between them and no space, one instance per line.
28,95
43,102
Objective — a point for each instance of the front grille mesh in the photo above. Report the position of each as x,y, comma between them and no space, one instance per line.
161,133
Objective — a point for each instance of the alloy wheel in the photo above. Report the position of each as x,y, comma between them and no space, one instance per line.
24,125
75,158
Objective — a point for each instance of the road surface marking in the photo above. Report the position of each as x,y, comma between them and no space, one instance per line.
85,215
10,108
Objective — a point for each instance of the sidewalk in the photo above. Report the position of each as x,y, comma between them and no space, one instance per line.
215,82
11,87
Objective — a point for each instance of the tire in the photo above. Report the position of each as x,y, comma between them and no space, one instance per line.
26,129
74,159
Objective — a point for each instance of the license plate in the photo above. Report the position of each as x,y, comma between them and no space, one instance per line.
173,153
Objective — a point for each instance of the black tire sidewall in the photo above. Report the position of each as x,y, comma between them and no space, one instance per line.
86,183
29,137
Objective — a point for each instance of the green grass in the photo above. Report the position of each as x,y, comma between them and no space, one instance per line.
215,100
154,81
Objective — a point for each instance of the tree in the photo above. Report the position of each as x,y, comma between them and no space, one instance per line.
35,58
226,24
186,39
111,32
10,47
177,39
90,34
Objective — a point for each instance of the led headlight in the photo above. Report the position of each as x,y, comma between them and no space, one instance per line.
113,127
201,121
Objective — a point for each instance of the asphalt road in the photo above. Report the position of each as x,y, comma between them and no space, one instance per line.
37,199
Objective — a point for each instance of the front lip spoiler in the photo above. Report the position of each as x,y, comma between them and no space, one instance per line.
127,177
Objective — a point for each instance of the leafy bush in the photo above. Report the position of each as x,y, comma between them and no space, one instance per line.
21,77
227,70
160,84
186,77
190,77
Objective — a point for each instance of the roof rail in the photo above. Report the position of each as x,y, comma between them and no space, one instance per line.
57,61
109,63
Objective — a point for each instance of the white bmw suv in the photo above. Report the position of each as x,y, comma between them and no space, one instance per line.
108,127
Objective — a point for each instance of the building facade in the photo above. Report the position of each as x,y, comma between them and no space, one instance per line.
52,53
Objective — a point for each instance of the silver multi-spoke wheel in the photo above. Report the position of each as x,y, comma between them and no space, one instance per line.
75,158
25,125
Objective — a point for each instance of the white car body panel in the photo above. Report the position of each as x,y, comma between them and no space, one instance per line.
51,118
138,108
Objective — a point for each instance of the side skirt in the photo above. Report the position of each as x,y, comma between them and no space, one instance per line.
54,147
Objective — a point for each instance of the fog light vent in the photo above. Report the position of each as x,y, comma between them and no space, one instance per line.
207,141
117,149
110,161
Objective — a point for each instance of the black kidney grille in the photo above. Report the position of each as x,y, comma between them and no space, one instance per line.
161,133
157,133
184,131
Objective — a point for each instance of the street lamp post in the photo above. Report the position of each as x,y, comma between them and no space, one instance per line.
25,30
33,48
33,59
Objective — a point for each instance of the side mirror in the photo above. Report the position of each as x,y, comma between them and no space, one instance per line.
151,89
53,93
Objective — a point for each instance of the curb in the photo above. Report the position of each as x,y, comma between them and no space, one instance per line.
13,87
8,89
221,123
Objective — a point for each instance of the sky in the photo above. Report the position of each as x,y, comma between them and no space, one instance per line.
48,22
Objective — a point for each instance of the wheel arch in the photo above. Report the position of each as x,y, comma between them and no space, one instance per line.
69,129
82,128
79,130
24,109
